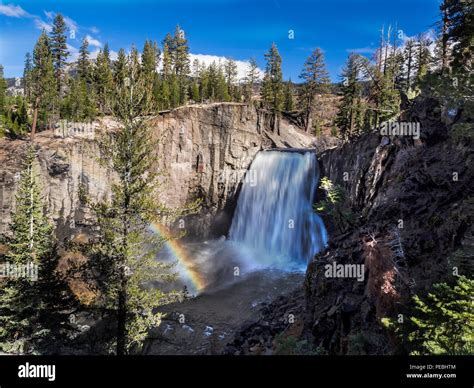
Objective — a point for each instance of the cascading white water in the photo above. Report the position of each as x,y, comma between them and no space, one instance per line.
274,218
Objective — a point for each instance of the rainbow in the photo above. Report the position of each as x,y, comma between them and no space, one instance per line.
180,254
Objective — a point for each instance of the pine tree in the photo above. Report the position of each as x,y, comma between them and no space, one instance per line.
120,68
150,59
288,105
349,118
27,74
384,97
181,63
31,230
409,58
83,64
442,47
31,306
220,87
44,85
59,50
230,71
103,77
316,80
459,32
251,79
272,86
423,57
124,249
167,72
195,92
204,85
30,241
3,88
168,53
440,323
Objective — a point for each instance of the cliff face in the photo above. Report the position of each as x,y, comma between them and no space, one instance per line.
415,201
204,152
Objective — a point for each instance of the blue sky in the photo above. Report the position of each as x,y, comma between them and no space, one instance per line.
239,29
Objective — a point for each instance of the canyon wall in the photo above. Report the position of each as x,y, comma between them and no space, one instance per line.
413,202
204,151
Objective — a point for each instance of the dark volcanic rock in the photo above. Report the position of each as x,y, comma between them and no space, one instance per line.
416,204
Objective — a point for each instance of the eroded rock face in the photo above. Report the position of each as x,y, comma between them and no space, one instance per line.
204,153
415,202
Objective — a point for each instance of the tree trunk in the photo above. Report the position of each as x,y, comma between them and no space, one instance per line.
444,41
35,118
122,313
308,121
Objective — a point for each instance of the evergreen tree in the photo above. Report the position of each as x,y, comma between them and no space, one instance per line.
168,50
124,249
181,63
59,50
383,96
3,88
31,230
27,74
423,57
288,105
150,58
272,86
440,323
167,72
79,103
204,85
83,64
251,79
30,242
103,77
44,85
15,119
120,68
409,58
442,49
349,118
230,71
31,308
195,92
316,80
459,32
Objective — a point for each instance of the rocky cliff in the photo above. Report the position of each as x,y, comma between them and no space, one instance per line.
204,152
414,201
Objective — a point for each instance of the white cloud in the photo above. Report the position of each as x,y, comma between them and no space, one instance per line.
42,25
73,53
113,54
14,11
362,50
242,66
94,30
71,24
93,42
49,14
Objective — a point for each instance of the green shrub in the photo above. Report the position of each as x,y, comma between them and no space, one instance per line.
440,323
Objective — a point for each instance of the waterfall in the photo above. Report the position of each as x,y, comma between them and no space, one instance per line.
274,217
